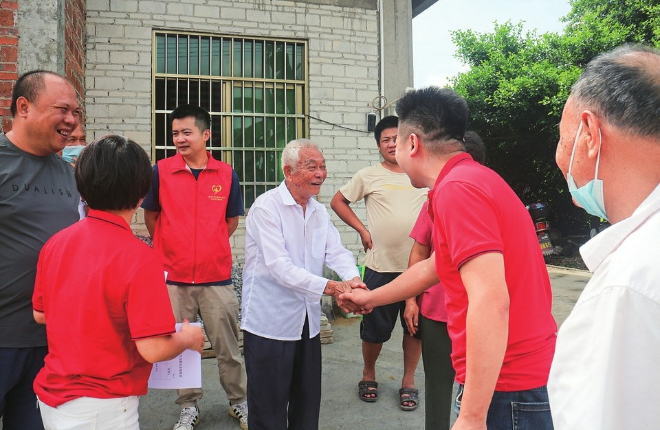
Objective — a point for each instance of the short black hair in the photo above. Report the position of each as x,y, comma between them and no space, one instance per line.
113,173
29,85
440,115
202,117
475,146
383,124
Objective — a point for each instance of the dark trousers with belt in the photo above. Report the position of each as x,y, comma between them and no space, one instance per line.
284,382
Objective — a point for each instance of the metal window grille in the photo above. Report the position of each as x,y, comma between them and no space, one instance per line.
254,88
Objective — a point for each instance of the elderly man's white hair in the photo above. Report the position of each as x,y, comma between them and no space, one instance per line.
291,152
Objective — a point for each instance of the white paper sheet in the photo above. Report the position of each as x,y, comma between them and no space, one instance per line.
184,371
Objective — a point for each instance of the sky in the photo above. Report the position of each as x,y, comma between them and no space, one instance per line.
433,49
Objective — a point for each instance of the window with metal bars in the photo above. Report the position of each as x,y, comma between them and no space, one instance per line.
254,88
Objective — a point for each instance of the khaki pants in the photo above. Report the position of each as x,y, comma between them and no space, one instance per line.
217,305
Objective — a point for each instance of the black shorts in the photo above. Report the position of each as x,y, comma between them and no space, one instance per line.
377,326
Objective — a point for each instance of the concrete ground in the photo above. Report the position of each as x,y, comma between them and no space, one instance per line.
342,369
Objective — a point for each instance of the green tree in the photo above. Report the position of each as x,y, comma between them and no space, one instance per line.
516,88
600,25
518,84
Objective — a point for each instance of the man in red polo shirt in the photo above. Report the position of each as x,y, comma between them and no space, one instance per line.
101,293
497,290
191,211
427,311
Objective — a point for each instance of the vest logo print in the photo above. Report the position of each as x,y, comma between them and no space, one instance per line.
216,189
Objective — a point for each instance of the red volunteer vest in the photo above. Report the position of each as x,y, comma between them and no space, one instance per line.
191,232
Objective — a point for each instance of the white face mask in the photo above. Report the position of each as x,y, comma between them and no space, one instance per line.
590,196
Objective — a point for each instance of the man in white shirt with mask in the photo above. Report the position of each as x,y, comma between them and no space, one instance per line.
605,372
289,239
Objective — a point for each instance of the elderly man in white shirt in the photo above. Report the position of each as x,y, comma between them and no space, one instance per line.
289,239
605,372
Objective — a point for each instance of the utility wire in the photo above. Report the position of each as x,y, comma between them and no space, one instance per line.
337,125
382,104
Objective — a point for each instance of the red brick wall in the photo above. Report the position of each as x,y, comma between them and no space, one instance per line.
74,52
74,39
8,57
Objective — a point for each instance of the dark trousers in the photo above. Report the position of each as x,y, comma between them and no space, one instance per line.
516,410
18,403
283,381
438,373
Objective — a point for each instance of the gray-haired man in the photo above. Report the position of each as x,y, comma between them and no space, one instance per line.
289,239
605,372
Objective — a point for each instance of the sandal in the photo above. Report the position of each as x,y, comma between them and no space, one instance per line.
368,387
408,395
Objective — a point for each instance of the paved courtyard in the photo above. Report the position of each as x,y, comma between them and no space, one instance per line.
342,367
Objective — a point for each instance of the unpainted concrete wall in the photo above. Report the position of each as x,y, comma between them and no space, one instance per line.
40,34
396,50
40,46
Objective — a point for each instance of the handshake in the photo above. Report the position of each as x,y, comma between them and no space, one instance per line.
347,293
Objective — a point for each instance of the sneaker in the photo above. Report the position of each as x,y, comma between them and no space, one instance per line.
188,419
240,412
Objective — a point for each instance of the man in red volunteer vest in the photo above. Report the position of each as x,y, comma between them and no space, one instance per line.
191,211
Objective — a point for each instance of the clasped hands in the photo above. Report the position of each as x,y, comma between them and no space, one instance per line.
339,289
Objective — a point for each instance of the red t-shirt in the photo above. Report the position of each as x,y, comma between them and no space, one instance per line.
474,212
432,301
100,289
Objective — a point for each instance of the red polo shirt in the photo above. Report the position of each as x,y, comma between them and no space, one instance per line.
100,289
475,212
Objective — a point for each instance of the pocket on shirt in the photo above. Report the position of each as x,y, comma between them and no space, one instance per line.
319,236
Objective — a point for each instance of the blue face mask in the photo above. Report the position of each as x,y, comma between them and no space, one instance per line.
590,196
70,153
